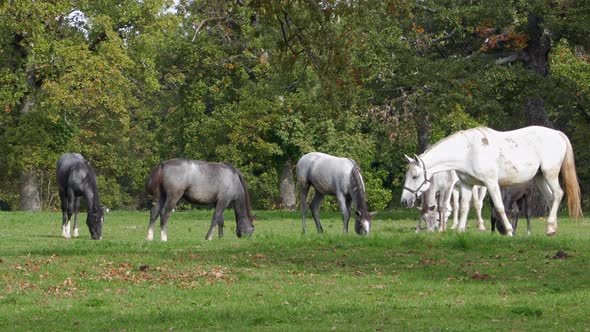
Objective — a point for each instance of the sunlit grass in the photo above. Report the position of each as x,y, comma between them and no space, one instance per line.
280,279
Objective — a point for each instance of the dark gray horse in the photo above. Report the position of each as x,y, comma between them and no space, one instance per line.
340,177
203,183
76,178
516,199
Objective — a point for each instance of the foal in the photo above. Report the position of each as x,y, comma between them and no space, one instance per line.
516,199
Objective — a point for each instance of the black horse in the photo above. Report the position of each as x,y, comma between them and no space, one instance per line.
76,178
515,199
202,183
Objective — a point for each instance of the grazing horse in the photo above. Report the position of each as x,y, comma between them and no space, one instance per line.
483,156
516,199
436,201
202,183
76,178
340,177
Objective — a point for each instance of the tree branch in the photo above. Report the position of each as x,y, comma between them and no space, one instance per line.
205,21
445,37
287,42
512,57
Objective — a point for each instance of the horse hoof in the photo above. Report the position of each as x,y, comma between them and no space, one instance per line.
551,229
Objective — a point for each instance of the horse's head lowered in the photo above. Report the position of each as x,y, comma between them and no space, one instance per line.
94,220
245,226
362,225
416,182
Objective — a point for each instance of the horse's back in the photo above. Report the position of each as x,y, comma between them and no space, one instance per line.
201,181
533,138
516,155
72,170
325,172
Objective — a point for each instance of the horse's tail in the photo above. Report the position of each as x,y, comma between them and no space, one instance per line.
152,186
245,188
570,181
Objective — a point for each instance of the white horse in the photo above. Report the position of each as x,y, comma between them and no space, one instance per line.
461,196
436,202
435,208
483,156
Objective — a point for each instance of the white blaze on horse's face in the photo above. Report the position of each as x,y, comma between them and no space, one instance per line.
416,182
362,226
366,226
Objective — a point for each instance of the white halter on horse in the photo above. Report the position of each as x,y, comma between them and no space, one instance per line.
483,156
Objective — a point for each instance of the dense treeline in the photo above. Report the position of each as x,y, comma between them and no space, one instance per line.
130,83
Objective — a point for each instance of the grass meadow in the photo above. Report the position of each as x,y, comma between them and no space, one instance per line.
279,279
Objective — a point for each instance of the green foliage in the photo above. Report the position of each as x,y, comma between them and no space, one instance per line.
260,83
113,196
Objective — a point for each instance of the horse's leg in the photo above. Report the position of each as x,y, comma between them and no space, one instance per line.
303,192
419,222
154,213
440,209
514,211
423,208
76,211
447,204
168,206
70,210
465,202
527,211
496,197
315,207
477,205
455,198
217,220
343,204
552,180
64,210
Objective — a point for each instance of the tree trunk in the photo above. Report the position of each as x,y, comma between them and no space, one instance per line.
30,188
537,60
30,197
287,187
424,129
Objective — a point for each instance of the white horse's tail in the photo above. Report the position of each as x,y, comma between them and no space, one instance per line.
570,182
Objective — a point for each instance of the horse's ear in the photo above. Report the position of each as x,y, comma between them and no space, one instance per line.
253,218
372,214
408,159
358,213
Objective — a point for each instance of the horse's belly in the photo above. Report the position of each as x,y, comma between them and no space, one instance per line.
200,197
517,169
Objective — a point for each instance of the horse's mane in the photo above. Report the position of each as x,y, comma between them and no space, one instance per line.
92,181
359,191
244,186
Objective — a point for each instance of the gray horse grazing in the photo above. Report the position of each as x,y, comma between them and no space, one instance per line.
76,178
203,183
340,177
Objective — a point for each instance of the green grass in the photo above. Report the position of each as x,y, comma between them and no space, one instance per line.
281,280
